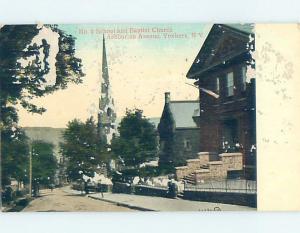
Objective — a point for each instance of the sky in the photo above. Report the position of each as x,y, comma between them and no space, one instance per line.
144,62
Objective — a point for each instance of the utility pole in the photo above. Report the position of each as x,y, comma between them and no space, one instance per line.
30,168
1,125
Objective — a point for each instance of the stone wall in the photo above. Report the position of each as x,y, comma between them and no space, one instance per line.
182,153
215,170
232,161
139,189
150,191
119,187
193,165
202,175
245,199
204,157
183,171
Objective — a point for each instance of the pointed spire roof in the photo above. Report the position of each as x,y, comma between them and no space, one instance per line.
104,63
106,115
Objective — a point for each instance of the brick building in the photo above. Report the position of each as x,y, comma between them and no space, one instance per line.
222,72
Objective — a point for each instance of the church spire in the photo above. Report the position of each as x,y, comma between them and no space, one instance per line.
106,115
104,63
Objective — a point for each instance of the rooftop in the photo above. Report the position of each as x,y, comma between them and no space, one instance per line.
183,113
212,53
246,27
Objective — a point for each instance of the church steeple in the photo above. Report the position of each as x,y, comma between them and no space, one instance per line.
104,63
106,115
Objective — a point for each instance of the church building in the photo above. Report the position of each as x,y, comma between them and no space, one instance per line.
106,116
178,132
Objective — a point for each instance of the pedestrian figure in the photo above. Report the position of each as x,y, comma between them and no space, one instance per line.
81,186
184,184
35,189
101,191
86,187
172,189
51,187
9,193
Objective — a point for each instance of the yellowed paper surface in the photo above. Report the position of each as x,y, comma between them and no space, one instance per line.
278,114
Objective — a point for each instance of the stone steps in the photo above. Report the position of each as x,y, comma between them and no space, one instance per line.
190,179
206,166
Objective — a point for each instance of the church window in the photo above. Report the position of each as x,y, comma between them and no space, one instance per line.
187,144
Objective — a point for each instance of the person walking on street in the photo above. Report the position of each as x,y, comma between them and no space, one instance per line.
101,190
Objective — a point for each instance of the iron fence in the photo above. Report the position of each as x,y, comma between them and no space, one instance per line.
233,186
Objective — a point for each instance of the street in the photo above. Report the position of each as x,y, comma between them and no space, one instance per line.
59,200
65,200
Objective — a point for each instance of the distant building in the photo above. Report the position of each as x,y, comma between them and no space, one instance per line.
107,115
178,132
227,95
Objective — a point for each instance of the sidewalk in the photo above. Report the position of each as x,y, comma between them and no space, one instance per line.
165,204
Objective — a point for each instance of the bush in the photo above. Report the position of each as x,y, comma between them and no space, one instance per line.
127,176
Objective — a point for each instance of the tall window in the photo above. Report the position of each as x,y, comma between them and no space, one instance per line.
217,85
244,78
187,145
230,84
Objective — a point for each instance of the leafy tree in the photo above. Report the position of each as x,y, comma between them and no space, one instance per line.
16,150
83,149
137,142
44,162
24,66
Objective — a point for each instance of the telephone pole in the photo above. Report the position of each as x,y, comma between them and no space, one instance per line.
30,168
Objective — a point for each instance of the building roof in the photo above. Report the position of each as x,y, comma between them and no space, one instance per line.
204,60
246,27
183,113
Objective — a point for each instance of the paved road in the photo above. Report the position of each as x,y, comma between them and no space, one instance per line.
59,200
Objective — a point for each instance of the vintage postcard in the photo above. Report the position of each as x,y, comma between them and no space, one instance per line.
136,117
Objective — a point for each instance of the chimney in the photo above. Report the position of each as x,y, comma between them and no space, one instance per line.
167,97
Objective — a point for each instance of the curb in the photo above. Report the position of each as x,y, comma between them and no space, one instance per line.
122,204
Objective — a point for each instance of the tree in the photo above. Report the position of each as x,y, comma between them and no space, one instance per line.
24,66
137,142
44,163
16,150
83,149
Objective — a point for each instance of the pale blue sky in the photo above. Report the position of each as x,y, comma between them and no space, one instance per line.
140,70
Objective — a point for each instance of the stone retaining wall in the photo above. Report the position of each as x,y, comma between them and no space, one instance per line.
232,161
139,190
181,172
150,191
217,169
122,188
244,199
